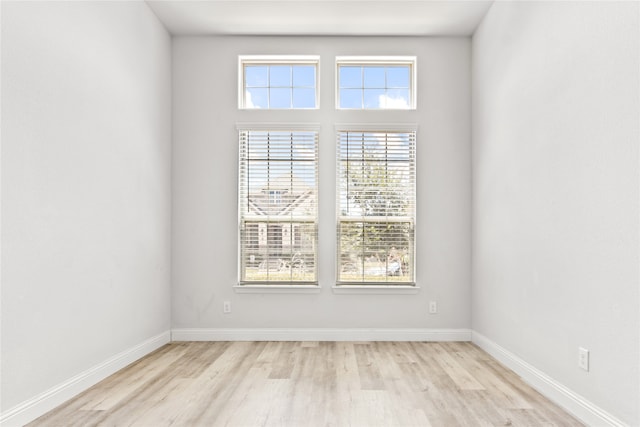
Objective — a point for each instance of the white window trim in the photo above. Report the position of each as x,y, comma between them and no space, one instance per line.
348,288
375,289
277,126
376,127
277,289
276,60
412,61
264,287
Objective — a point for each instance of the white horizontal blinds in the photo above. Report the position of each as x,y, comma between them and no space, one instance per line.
376,207
278,206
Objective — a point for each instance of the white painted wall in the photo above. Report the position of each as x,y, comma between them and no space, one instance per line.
205,219
85,188
555,192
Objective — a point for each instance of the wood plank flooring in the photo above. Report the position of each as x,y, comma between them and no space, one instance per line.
311,384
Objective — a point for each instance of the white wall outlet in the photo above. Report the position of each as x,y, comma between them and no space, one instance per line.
583,358
226,307
433,307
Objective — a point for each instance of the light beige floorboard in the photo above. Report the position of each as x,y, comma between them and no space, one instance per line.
315,384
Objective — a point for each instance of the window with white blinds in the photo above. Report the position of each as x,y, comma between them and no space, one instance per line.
278,196
376,202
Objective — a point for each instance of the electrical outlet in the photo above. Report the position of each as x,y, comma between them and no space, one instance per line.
433,307
226,307
583,358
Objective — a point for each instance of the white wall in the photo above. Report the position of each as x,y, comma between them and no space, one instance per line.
555,192
205,218
85,188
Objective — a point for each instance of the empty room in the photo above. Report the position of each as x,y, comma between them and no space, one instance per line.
320,213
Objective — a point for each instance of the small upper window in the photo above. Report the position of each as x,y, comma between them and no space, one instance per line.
376,83
278,82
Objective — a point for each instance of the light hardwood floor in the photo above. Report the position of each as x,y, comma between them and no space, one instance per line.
311,384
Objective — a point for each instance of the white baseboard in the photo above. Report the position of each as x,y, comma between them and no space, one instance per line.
320,334
572,402
41,404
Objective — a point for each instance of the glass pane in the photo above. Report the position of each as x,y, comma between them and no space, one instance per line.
280,75
256,98
374,98
351,77
256,76
258,179
279,144
304,98
304,174
351,260
374,77
375,252
280,98
304,146
350,98
304,75
398,77
397,99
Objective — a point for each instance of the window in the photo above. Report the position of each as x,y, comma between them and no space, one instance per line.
376,83
275,196
376,207
282,82
278,184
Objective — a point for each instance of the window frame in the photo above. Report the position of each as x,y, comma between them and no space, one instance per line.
375,286
269,60
364,61
275,285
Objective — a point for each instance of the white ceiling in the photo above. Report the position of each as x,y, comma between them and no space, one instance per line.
321,17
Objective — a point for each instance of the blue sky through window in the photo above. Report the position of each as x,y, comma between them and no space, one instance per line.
374,87
280,86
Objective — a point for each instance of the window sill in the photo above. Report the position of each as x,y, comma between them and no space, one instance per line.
375,289
276,289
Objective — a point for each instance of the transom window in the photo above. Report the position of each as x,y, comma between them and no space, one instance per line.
278,205
376,83
376,207
282,82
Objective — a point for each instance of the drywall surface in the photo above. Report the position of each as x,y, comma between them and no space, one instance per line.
555,192
85,188
205,176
